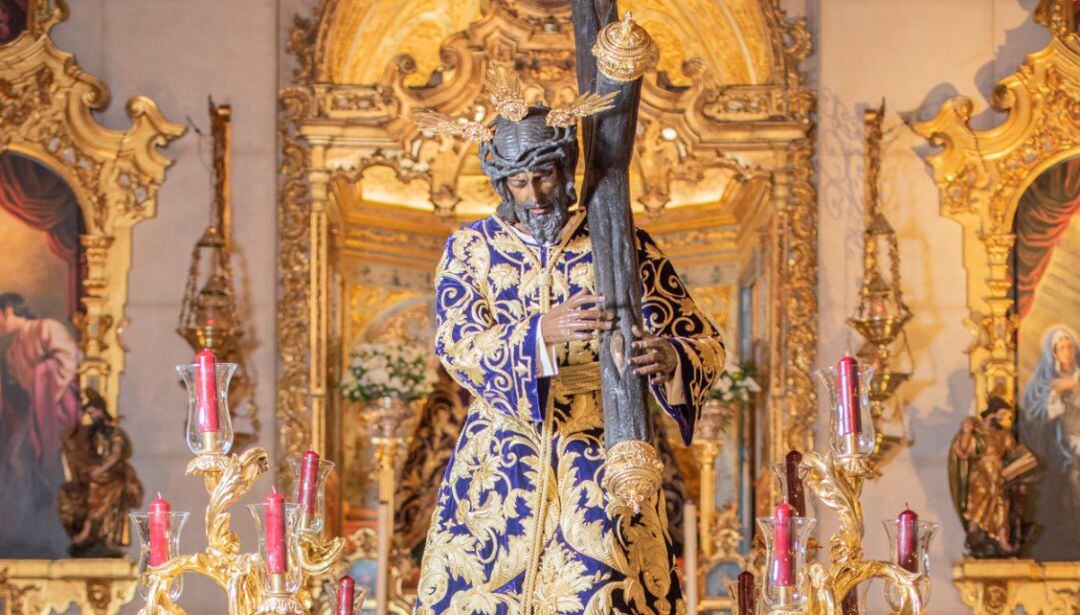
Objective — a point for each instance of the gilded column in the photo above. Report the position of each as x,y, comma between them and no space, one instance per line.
318,287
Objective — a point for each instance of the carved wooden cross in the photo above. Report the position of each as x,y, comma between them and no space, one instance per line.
608,140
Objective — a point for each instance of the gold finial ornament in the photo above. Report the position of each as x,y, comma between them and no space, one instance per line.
633,472
444,124
505,88
624,50
587,104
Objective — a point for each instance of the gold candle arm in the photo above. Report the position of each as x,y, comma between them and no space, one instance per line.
837,483
227,480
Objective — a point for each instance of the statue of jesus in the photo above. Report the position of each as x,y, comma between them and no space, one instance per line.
523,522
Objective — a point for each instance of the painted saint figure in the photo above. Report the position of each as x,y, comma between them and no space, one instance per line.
39,397
1051,420
523,522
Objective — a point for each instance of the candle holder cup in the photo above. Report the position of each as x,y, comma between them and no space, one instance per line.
281,583
850,437
332,592
311,519
200,440
785,591
140,523
919,563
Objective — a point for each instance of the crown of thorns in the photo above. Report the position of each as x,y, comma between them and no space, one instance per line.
506,95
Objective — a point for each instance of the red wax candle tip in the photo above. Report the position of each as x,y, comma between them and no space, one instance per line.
847,375
206,392
159,531
746,593
275,532
783,564
346,596
309,473
907,535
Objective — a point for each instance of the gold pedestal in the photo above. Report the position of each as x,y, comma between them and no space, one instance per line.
99,586
999,586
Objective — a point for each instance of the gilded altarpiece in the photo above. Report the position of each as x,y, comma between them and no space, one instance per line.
722,178
1012,189
53,151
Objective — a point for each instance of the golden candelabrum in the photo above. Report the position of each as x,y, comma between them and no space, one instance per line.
791,582
836,481
881,313
243,576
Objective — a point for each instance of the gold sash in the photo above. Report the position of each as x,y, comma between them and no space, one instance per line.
579,379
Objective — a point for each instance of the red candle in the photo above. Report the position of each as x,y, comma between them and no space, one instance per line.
309,472
795,495
275,532
159,531
847,371
746,593
206,391
907,534
783,564
346,596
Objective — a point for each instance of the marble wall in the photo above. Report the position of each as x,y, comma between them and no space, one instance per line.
915,53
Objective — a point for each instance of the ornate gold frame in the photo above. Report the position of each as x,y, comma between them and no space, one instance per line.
46,113
982,175
46,105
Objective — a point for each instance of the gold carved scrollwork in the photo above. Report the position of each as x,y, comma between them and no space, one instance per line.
98,586
46,105
994,587
981,175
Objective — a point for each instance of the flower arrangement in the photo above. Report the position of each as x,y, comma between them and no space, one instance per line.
388,369
736,383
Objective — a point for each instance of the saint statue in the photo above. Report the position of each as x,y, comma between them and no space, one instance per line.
39,401
102,487
987,468
524,522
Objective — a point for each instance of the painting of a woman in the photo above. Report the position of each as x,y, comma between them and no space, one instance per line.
1052,415
40,222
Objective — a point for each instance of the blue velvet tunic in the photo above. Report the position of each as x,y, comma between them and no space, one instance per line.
522,523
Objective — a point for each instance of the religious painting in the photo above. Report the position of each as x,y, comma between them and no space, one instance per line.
1045,261
40,283
13,18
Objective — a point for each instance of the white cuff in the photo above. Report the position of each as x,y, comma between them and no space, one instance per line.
547,365
674,389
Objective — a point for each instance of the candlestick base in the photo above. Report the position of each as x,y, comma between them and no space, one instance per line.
208,463
857,465
280,605
211,441
307,522
785,601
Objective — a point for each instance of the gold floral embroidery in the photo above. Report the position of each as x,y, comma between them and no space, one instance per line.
521,523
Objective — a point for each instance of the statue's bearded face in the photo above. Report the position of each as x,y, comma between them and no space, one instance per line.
541,203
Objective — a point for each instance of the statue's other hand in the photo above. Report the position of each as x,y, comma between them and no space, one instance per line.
654,356
575,319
